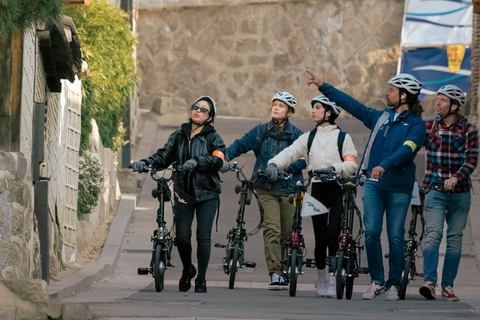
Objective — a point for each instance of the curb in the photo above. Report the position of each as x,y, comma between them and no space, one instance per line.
107,262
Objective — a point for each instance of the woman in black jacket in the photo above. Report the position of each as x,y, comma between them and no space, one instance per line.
199,149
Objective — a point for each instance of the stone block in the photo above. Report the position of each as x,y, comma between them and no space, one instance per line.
256,60
246,45
248,26
228,27
7,161
51,310
235,62
281,61
34,291
76,311
22,167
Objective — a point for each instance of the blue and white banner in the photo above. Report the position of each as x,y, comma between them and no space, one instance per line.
433,23
436,67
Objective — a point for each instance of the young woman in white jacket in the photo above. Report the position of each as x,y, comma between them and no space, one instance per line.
323,154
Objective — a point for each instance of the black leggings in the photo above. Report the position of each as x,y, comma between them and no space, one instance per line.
205,212
327,227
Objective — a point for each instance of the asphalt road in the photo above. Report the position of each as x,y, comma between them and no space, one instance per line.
127,295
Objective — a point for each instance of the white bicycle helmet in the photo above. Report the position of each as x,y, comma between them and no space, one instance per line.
211,101
324,100
454,93
286,97
406,81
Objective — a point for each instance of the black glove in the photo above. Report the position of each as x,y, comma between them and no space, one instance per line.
189,165
225,167
330,169
139,166
272,172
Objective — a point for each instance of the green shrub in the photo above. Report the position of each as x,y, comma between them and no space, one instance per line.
90,183
107,44
16,15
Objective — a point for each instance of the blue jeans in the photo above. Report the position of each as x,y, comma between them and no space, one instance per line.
375,203
451,208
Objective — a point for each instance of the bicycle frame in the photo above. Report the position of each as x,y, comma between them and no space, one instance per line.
411,243
349,253
162,238
234,251
295,246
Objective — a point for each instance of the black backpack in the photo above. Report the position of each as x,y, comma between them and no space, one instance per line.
341,139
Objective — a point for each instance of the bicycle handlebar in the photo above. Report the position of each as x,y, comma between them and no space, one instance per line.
325,175
282,175
240,175
154,173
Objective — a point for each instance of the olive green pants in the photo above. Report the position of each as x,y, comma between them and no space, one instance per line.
277,227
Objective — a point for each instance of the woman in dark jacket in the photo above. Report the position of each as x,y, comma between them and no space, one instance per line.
267,140
199,149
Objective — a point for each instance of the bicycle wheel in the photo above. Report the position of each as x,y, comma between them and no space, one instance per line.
293,273
341,274
159,268
405,277
350,275
234,265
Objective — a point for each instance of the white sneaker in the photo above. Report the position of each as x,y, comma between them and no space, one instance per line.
321,285
275,282
332,288
283,284
373,291
392,294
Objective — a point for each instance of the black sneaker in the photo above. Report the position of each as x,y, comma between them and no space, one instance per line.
184,283
200,285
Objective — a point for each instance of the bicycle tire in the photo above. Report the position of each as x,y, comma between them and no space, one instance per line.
293,273
340,276
405,277
159,268
350,276
234,265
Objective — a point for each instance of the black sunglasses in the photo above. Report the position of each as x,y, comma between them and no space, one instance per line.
202,109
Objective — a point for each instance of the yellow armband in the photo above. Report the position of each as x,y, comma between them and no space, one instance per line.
411,144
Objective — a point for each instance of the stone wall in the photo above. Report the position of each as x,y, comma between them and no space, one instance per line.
243,54
19,244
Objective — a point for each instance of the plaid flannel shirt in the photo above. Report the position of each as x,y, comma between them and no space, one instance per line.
451,152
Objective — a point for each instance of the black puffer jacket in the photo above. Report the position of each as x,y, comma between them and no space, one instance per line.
203,183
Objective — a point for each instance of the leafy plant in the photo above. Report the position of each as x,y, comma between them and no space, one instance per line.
90,183
16,15
107,44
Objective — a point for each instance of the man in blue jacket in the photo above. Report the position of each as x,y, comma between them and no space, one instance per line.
397,134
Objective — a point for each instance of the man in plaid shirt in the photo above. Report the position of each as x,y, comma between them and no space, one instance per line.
451,157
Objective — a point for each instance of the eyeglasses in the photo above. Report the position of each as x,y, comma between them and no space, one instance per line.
202,109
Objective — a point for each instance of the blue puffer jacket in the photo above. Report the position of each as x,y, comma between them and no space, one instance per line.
396,143
266,144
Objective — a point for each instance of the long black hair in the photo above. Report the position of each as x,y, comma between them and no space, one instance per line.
413,103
